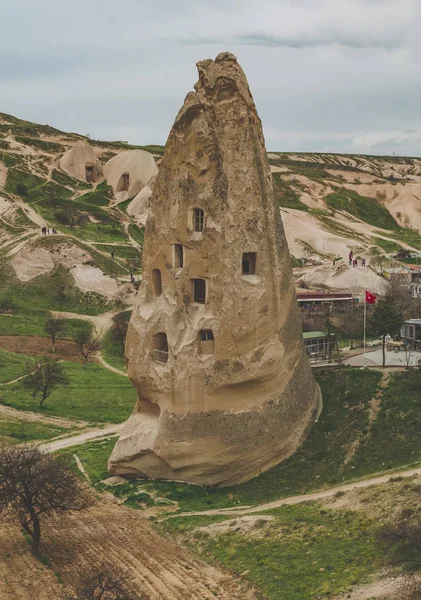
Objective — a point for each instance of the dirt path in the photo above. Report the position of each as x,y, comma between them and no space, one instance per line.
109,367
245,510
383,588
76,440
25,415
109,535
101,323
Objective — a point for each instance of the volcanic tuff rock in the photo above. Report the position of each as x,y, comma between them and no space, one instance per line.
214,345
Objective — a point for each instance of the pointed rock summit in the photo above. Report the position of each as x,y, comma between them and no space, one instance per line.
214,346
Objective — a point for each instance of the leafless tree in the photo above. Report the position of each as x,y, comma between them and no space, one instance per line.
54,326
34,485
399,292
44,377
104,583
88,343
133,264
380,262
121,298
351,323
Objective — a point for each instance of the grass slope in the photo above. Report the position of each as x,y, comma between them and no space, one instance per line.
93,394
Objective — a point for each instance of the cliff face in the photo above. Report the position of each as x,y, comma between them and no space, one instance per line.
214,346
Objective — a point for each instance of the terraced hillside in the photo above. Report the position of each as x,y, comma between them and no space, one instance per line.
334,203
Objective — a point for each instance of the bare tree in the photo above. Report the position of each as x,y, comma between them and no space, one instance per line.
380,262
44,378
88,343
34,485
351,323
71,216
104,583
121,298
54,326
399,292
133,264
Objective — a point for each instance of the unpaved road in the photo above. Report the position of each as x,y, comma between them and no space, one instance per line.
109,535
101,323
81,438
242,510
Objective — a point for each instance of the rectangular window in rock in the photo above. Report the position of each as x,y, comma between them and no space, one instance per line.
178,257
199,290
198,219
160,347
157,282
206,341
249,263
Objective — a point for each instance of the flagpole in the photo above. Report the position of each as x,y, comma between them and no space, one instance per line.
365,322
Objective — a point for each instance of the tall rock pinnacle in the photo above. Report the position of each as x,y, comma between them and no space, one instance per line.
214,346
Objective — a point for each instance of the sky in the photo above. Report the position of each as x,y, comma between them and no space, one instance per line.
326,75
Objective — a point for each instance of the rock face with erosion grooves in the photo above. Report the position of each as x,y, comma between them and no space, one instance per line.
214,345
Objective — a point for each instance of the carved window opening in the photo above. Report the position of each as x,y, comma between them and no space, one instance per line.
199,290
125,182
160,347
248,263
157,282
178,257
198,219
206,341
89,172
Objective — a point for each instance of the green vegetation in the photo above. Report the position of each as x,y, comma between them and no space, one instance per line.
52,147
10,159
366,209
126,251
137,233
286,195
65,180
305,552
53,291
386,245
319,461
23,431
94,457
93,394
398,422
112,352
12,366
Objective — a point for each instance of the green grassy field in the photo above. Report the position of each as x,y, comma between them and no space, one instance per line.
113,353
366,209
306,552
12,366
14,431
321,460
93,394
53,291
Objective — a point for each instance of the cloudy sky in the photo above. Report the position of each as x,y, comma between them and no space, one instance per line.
326,75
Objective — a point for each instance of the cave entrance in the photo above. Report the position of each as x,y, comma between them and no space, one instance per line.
89,172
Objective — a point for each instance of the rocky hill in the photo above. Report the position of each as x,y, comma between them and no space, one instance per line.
66,182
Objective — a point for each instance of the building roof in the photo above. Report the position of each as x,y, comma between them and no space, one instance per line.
312,335
413,322
322,296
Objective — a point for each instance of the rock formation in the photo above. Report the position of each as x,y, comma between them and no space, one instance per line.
214,346
82,163
129,172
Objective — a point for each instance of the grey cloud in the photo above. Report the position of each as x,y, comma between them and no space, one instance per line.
327,38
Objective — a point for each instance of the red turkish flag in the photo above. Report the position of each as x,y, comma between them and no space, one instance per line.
370,298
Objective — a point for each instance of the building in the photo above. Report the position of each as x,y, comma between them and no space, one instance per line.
317,344
411,332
